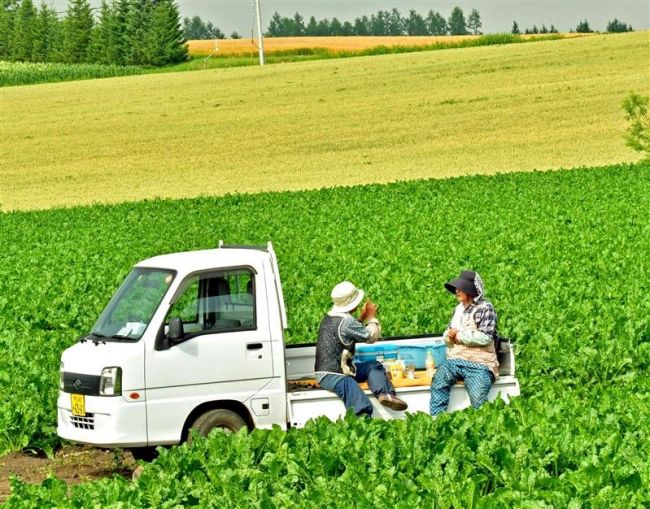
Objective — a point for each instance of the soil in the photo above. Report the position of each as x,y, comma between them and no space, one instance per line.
73,464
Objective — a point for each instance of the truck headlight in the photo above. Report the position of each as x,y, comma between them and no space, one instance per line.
110,383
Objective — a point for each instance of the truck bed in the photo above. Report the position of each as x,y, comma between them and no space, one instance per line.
306,400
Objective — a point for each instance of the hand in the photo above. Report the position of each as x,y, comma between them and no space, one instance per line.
453,336
369,311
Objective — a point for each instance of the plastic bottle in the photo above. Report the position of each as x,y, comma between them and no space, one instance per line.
430,364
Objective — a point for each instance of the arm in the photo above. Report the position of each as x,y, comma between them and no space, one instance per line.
451,333
353,331
486,322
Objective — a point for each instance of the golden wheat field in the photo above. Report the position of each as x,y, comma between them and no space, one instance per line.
306,125
272,44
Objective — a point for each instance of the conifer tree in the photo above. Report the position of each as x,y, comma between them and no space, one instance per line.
312,27
298,25
138,24
121,10
23,32
47,36
583,27
7,18
164,43
515,28
106,38
77,32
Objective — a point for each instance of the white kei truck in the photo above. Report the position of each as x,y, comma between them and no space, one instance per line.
195,340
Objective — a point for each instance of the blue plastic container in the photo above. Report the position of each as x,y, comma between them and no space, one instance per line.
410,354
366,353
417,354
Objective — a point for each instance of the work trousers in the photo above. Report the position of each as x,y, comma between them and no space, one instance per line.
478,380
347,387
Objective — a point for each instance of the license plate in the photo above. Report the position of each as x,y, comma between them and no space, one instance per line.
78,404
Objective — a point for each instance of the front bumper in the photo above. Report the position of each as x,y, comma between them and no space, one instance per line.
109,421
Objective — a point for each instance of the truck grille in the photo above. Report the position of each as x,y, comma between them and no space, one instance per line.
87,422
78,383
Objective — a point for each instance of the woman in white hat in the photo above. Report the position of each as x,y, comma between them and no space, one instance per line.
471,355
337,335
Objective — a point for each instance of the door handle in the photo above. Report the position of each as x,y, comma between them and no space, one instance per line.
254,346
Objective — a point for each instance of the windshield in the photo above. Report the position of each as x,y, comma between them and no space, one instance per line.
128,313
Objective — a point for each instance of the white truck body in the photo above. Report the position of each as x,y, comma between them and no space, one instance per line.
158,388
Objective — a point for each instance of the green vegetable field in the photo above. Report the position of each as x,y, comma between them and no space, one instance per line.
564,256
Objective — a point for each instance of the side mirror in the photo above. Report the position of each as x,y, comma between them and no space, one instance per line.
175,331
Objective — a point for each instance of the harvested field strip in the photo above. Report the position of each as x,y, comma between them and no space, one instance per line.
339,122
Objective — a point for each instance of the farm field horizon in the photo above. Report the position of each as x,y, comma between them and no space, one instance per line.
309,125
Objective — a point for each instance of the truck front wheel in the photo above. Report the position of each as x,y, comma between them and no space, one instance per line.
220,418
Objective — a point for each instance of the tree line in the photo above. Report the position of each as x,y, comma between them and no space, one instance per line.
582,28
383,23
196,28
122,32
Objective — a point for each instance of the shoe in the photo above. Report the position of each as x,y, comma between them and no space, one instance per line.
393,402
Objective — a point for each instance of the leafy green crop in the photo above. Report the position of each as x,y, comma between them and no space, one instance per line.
27,73
564,256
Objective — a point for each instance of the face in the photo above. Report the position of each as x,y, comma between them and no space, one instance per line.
464,298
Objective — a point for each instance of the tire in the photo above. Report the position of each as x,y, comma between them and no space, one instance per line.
220,418
144,453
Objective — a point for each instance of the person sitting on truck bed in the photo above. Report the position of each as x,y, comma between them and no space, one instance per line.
470,337
337,335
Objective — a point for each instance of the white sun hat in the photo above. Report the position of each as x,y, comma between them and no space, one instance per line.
346,297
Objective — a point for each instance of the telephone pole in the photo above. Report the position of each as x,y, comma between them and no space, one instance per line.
260,37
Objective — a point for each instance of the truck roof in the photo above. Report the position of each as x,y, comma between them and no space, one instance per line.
192,261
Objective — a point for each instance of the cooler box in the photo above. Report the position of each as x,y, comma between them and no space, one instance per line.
366,353
417,354
410,354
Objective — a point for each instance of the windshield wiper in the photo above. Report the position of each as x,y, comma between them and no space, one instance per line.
95,337
121,336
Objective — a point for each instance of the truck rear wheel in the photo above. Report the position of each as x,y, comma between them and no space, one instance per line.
144,453
220,418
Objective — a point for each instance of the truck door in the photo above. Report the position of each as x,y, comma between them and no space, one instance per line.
225,353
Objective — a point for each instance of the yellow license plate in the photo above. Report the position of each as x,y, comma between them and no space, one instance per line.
78,404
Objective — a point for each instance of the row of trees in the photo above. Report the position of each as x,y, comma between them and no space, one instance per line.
515,29
583,27
613,26
389,23
124,32
196,28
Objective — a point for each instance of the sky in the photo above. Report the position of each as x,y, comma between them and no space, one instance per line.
496,15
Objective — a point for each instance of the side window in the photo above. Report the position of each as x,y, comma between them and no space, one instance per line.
187,307
217,301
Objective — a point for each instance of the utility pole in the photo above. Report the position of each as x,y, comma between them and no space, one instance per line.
260,37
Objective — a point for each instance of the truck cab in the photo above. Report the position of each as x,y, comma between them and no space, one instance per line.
195,340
